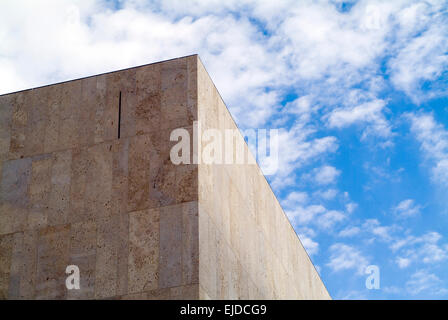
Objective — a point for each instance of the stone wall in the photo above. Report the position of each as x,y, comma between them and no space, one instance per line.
71,192
86,179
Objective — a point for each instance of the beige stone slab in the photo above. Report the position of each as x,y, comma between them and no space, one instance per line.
208,253
83,255
53,247
90,101
14,199
19,122
6,244
186,182
108,227
190,243
52,128
147,111
37,121
203,294
70,99
16,265
192,89
78,185
188,292
163,189
97,201
6,109
128,88
39,191
223,268
138,172
170,264
69,115
100,110
143,261
107,250
120,170
173,94
207,98
113,88
59,197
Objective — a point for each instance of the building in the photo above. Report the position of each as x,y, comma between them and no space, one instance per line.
87,180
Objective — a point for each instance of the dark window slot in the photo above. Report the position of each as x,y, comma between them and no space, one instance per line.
119,115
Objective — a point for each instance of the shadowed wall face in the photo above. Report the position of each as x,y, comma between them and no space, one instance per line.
72,193
87,180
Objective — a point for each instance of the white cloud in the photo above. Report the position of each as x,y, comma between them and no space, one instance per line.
424,57
301,213
254,50
381,232
298,147
325,175
352,295
424,282
369,113
327,194
305,236
330,218
407,208
349,232
306,214
350,207
424,249
403,262
294,198
345,257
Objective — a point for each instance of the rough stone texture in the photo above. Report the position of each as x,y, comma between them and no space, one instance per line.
136,225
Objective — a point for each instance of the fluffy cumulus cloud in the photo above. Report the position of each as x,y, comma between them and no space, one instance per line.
407,208
299,147
346,257
349,231
306,237
425,249
325,175
370,114
423,58
423,281
433,138
253,57
340,79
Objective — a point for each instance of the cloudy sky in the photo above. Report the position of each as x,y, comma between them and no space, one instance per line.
359,89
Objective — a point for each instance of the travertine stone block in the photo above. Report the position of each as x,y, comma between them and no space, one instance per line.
6,243
53,109
143,262
53,247
14,198
59,195
83,254
39,191
147,110
86,179
170,246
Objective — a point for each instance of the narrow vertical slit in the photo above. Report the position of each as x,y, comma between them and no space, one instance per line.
119,115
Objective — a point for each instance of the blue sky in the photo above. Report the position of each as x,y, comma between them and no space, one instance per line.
358,89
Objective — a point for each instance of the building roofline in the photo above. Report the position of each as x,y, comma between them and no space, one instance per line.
99,74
